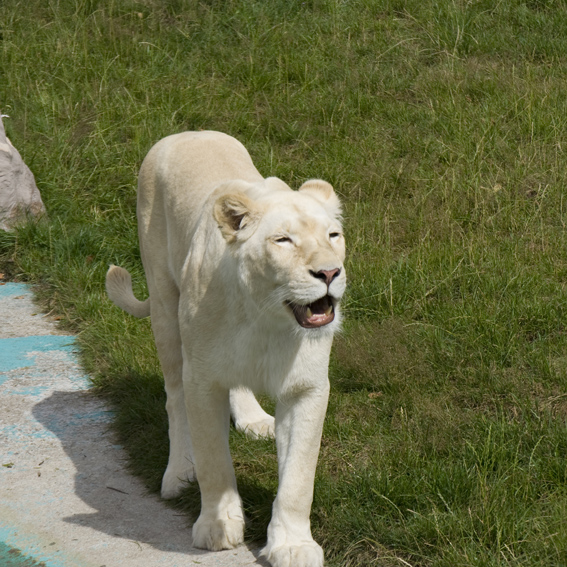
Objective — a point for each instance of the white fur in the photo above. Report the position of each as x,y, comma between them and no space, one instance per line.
223,250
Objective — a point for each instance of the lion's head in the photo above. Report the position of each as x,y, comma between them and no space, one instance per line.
289,248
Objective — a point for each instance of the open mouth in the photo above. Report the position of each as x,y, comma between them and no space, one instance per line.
316,314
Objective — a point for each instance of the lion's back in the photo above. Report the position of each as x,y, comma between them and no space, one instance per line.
176,178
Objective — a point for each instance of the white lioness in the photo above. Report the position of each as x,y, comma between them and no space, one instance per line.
245,277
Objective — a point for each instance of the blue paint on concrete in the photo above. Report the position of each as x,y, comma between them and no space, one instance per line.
15,433
44,553
19,549
19,352
10,557
10,289
33,391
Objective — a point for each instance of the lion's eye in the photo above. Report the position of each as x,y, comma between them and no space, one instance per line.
334,235
282,239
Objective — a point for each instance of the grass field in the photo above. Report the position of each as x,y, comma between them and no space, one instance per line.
443,126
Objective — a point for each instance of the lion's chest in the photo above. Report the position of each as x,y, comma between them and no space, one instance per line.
263,360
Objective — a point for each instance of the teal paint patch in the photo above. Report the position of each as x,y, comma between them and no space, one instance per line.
10,557
25,550
18,352
15,433
22,359
11,289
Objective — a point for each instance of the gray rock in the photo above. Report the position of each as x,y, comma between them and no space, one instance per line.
19,195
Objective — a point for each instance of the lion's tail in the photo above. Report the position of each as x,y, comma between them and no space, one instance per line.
119,289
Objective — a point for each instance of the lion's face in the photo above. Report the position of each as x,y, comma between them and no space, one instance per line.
290,250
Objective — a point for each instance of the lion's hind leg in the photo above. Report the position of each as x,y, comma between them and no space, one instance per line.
248,415
180,467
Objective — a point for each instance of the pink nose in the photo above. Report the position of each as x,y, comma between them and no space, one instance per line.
326,275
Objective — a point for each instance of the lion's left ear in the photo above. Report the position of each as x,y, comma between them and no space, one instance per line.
325,194
234,212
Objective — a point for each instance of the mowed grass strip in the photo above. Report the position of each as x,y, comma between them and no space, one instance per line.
443,127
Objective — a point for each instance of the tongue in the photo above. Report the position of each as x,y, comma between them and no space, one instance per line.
316,314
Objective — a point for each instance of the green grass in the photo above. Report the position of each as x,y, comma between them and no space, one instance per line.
443,126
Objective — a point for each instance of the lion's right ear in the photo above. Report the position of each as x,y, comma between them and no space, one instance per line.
325,194
233,213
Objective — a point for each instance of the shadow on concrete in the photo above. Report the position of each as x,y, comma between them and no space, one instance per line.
121,506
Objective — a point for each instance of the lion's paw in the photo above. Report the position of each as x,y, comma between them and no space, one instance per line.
218,534
256,429
306,555
174,481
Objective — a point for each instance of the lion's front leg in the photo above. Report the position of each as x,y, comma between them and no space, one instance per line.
299,423
221,522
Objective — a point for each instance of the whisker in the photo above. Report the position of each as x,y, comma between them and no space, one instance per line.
276,297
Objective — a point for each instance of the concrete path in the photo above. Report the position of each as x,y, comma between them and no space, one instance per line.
65,498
